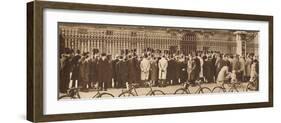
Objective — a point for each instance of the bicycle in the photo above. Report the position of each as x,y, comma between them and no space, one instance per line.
131,91
252,85
72,93
233,87
102,95
200,90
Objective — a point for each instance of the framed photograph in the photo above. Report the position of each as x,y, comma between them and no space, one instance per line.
90,61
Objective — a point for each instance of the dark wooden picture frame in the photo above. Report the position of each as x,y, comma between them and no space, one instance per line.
35,61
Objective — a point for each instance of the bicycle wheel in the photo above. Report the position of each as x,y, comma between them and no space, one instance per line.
78,96
157,92
218,89
251,87
182,91
74,93
105,95
72,96
126,94
233,89
65,97
205,90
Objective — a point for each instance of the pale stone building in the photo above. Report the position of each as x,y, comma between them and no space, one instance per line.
113,39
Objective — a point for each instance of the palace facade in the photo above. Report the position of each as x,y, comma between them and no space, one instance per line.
115,39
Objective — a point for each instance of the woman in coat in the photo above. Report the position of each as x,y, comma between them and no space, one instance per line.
218,64
145,67
248,64
254,71
191,70
162,65
222,75
84,71
242,69
154,70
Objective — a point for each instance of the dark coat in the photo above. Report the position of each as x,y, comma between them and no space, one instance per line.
236,65
197,68
110,74
75,67
227,63
65,74
104,71
208,71
122,71
132,70
183,71
219,65
177,67
172,70
84,71
213,61
93,76
154,70
114,69
138,69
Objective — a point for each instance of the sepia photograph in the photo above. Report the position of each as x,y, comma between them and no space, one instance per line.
109,61
89,61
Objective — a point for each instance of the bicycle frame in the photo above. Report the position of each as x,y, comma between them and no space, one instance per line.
72,92
96,95
198,89
233,86
150,91
132,89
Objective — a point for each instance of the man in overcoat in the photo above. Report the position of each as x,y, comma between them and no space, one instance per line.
122,71
84,71
237,67
145,67
132,69
114,71
182,69
173,70
65,69
75,70
103,70
208,70
163,64
93,76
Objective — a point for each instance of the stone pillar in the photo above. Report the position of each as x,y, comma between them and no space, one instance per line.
240,49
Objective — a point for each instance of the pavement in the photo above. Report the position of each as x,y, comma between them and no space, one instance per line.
168,90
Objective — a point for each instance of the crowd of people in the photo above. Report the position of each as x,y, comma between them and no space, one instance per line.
91,70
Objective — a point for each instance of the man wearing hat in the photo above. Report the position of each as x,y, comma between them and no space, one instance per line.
122,72
163,64
145,67
103,70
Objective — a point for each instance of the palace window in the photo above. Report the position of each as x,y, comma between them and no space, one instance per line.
109,32
133,33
